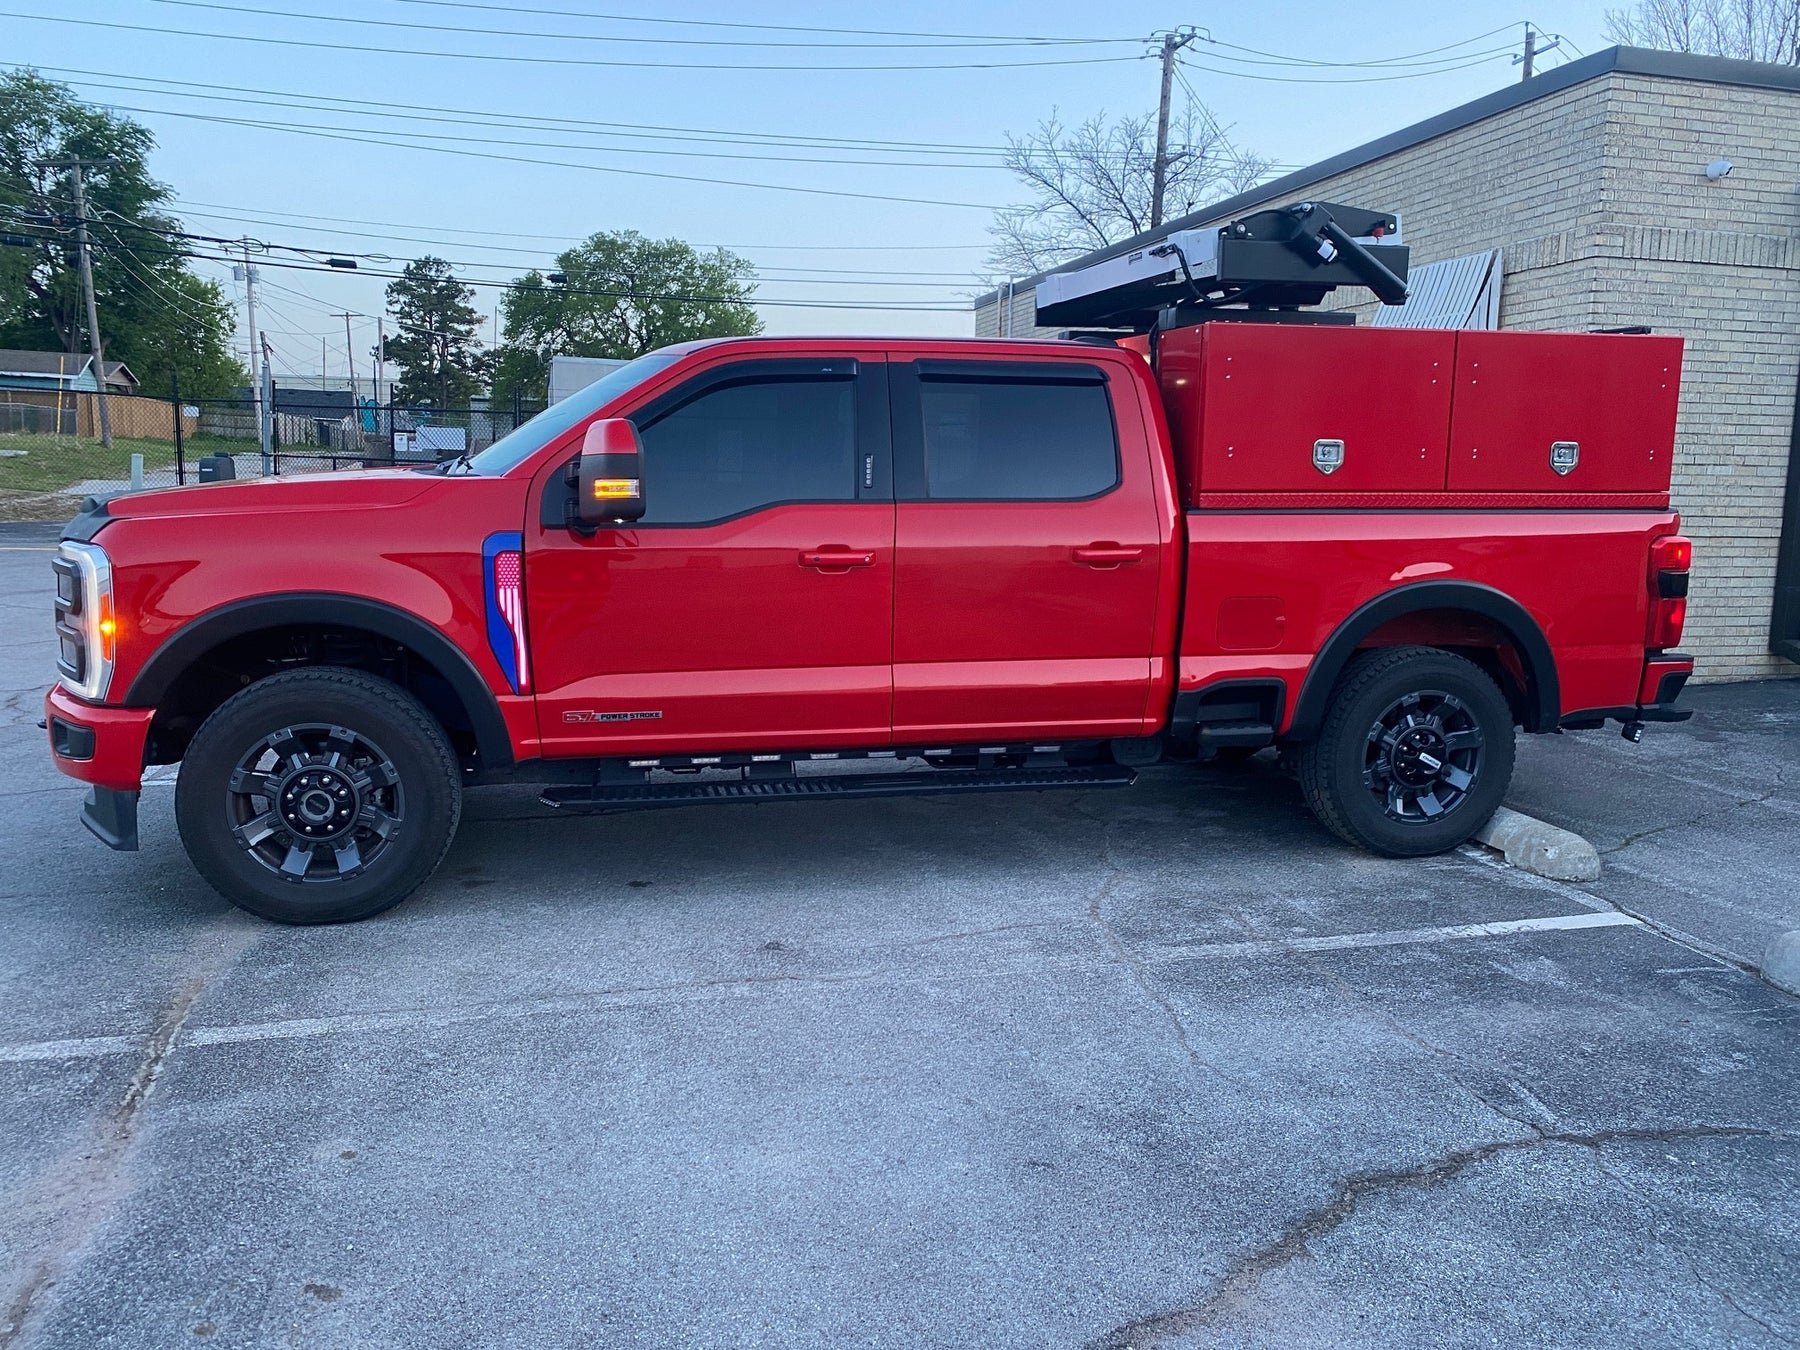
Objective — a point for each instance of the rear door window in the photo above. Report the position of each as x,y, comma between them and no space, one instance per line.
1008,439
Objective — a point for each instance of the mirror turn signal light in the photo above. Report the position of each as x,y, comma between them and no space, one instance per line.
607,489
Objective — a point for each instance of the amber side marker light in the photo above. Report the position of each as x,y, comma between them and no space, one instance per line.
608,488
108,628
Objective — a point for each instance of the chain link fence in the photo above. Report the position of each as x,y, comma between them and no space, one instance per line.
52,454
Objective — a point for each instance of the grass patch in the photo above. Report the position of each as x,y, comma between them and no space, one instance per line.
55,463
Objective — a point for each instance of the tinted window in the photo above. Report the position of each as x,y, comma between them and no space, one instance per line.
741,446
1017,440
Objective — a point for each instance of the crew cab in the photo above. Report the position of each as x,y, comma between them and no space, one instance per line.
1027,564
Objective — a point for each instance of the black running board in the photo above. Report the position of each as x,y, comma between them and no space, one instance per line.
933,782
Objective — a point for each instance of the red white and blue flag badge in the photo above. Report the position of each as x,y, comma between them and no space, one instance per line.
503,571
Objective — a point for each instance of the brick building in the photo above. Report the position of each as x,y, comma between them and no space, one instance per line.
1592,180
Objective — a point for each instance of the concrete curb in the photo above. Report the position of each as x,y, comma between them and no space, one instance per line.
1535,846
1781,962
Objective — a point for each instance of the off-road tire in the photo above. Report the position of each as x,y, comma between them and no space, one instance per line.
427,787
1335,768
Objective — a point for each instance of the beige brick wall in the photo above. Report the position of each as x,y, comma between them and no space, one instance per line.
1598,198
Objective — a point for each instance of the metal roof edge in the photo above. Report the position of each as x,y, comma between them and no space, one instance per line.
1626,60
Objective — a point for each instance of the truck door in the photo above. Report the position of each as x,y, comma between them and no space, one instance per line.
1028,551
752,606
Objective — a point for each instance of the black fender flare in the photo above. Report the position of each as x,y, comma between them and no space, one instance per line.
1543,693
240,617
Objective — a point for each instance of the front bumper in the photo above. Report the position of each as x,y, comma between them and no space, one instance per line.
102,746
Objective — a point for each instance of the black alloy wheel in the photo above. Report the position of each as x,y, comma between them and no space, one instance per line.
1414,755
1424,755
315,802
319,795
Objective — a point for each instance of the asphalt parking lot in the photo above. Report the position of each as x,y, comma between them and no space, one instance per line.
1161,1067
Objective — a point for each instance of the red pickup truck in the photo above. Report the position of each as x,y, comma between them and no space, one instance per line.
1024,564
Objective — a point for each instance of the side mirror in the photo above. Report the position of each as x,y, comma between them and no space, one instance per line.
609,482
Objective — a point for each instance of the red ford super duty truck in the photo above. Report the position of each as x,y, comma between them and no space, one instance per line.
1027,564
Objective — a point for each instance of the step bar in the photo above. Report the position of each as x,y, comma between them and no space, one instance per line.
928,783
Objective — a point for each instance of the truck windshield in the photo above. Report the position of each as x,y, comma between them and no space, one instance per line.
528,437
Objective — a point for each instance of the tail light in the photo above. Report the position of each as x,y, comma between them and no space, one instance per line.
1671,558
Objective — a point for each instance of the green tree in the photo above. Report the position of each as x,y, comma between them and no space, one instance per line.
155,315
621,295
440,358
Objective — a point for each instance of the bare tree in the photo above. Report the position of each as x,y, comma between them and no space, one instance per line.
1752,30
1090,184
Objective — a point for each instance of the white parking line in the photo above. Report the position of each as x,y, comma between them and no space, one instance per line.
1399,936
306,1028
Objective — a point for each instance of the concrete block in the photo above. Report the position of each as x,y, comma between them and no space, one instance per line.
1781,962
1538,847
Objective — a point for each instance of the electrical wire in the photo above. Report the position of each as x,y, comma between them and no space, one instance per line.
559,60
540,144
684,41
1363,79
1382,61
508,121
722,23
369,138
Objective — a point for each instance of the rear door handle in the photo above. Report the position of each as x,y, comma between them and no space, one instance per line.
836,559
1107,555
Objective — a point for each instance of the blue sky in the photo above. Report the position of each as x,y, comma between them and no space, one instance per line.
499,213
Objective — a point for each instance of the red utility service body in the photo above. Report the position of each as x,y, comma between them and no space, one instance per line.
1284,495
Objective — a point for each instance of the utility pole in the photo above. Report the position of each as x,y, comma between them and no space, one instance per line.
265,414
257,348
349,350
380,355
1532,51
1172,42
75,165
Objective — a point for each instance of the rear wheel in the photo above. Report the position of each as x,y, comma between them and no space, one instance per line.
318,796
1415,754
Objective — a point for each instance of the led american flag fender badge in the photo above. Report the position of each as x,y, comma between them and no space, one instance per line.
503,573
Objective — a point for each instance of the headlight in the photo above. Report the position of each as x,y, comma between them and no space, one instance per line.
86,630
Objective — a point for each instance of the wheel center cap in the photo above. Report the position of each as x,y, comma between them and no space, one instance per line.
318,803
1420,757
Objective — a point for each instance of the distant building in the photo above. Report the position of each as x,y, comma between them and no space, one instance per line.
1627,188
569,373
62,373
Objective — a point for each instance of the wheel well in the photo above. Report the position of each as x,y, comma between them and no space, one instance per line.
1468,619
1474,637
243,659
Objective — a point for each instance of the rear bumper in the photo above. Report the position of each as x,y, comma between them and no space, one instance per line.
104,747
1665,676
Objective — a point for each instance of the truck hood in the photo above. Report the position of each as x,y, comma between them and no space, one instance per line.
369,489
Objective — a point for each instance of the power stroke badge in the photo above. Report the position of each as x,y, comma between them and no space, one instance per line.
580,715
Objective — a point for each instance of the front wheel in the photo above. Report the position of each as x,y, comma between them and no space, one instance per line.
320,795
1415,754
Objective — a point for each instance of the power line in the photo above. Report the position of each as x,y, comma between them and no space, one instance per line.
1380,61
558,60
541,144
721,23
564,239
683,41
558,125
896,306
1363,79
357,137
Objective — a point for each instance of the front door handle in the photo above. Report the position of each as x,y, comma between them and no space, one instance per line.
836,559
1107,555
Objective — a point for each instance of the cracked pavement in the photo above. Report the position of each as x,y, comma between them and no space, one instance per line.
1167,1067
